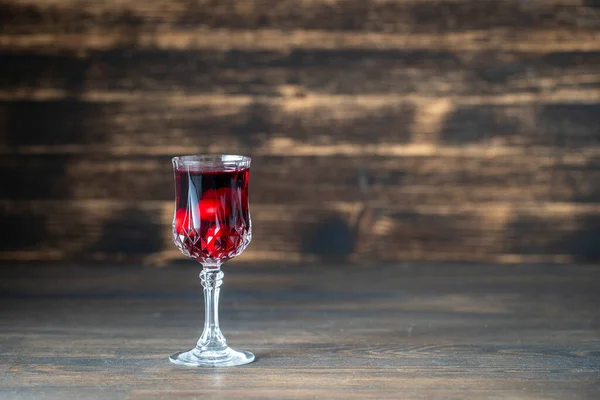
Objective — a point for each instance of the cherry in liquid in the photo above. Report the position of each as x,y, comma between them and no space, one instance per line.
212,220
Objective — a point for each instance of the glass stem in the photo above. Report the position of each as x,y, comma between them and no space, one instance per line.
212,339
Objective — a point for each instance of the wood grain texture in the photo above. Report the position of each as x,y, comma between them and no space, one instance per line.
405,130
412,331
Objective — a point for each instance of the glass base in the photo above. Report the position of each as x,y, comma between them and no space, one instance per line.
227,357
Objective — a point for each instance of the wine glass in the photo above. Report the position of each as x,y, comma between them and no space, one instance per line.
211,225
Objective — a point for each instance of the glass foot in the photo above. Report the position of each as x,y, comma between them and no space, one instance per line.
227,357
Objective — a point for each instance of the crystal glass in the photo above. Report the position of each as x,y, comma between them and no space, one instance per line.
211,225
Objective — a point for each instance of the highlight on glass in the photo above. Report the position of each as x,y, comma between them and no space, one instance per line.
211,225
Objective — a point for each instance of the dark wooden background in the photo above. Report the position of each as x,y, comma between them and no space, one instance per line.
406,130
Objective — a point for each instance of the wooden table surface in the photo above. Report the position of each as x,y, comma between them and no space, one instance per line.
399,331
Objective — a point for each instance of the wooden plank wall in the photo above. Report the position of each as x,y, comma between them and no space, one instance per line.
381,130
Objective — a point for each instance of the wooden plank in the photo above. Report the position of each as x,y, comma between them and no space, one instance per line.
348,15
510,232
291,126
300,71
411,180
193,38
335,331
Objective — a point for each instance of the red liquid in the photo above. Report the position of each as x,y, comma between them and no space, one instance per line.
212,220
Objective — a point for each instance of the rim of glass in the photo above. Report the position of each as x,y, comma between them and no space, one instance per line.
212,161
